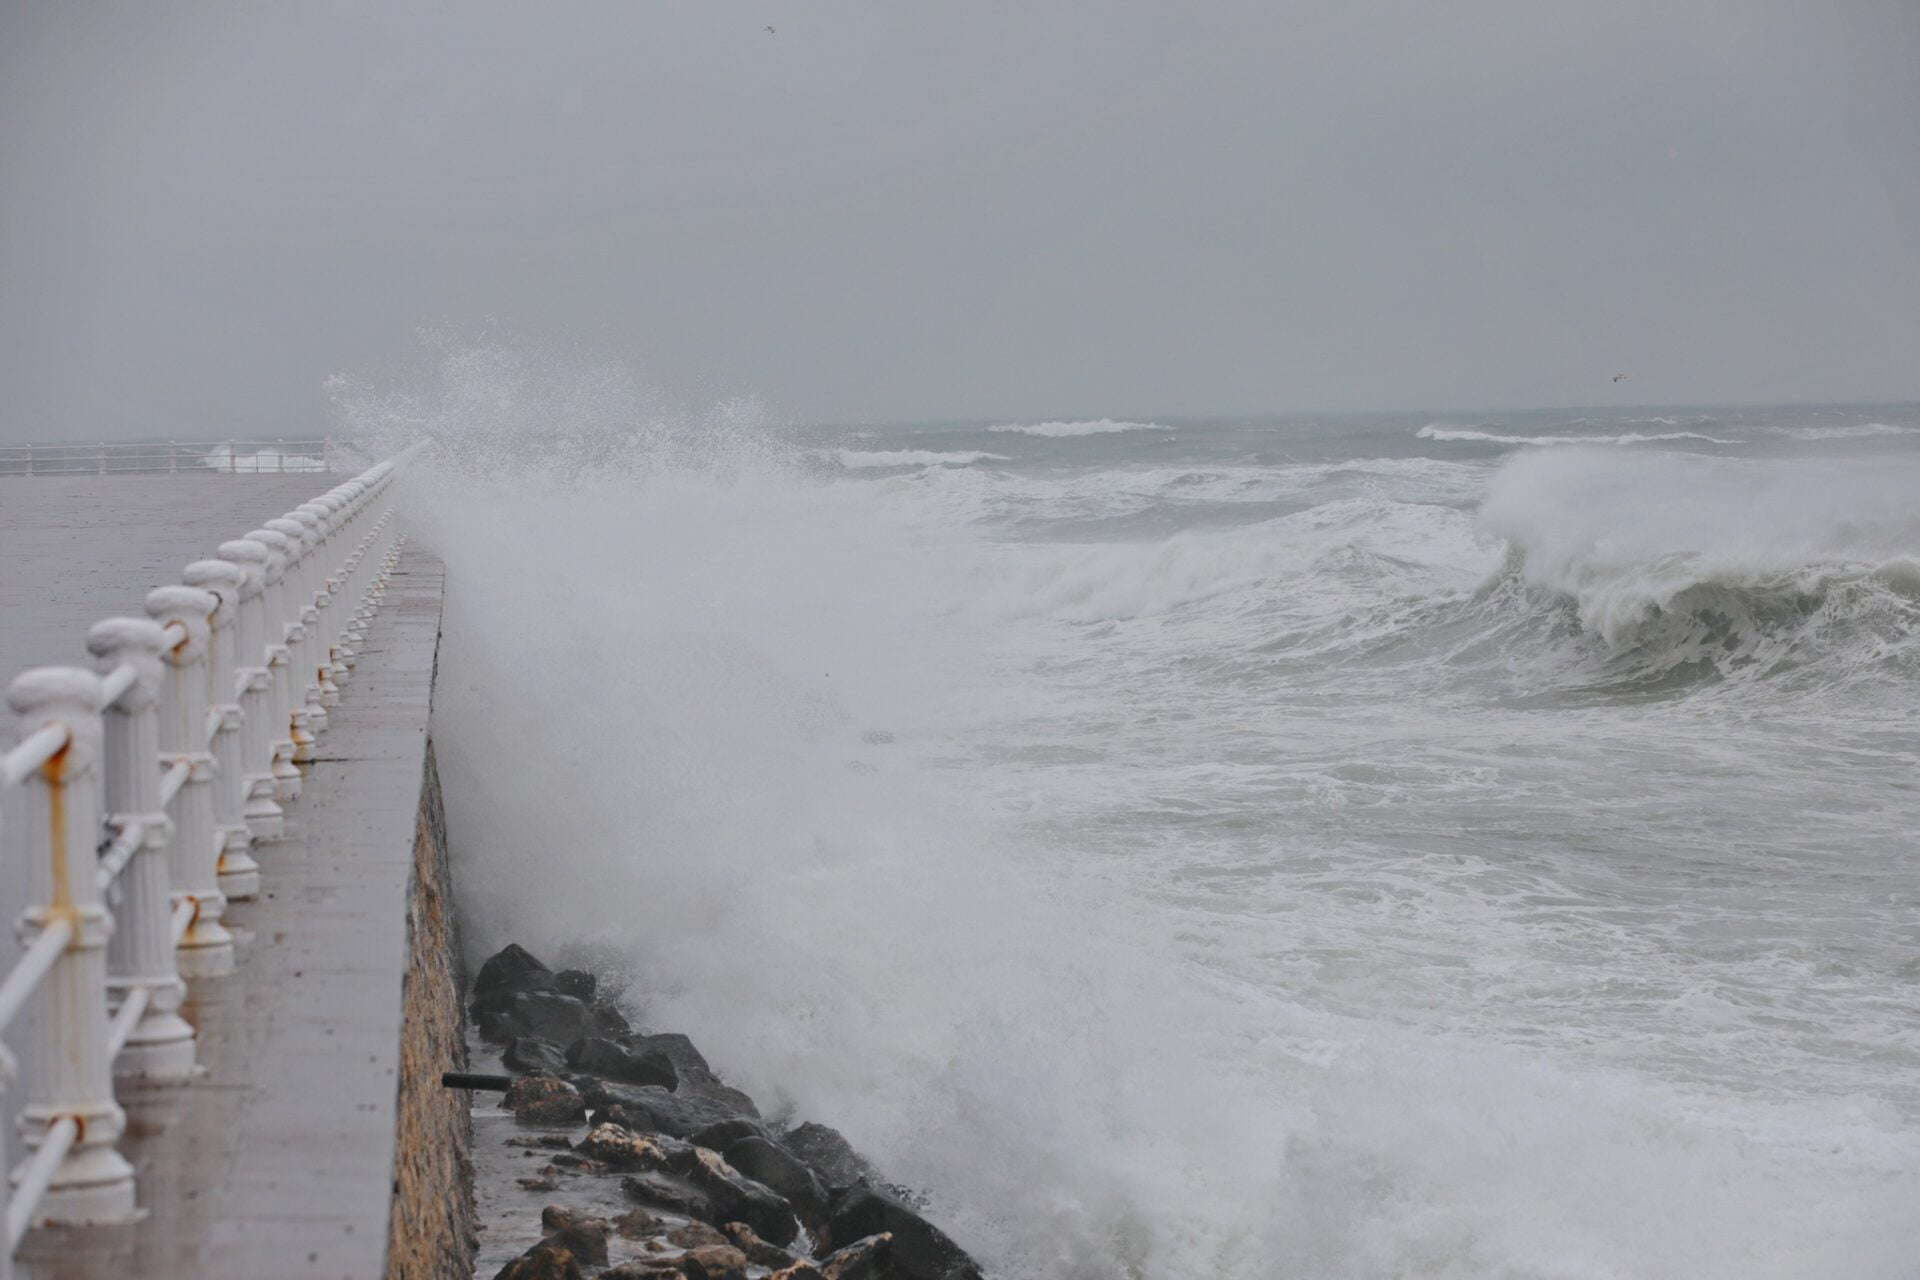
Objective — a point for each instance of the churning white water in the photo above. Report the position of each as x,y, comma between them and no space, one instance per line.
1241,849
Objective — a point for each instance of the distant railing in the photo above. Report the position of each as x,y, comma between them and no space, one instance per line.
131,802
147,457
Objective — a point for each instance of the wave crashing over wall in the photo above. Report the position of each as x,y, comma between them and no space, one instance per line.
742,721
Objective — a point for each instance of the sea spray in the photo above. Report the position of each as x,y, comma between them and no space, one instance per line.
808,752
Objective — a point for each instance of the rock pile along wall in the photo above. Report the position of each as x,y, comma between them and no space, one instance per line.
430,1233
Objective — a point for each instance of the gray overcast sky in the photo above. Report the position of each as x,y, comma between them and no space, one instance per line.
944,210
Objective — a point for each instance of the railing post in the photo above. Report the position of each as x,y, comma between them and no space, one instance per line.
273,613
239,873
328,600
348,508
254,682
347,596
314,593
370,583
140,953
194,856
72,1076
295,605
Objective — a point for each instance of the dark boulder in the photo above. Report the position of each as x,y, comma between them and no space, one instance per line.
680,1114
548,1015
614,1061
496,1027
737,1197
714,1262
605,1020
665,1191
665,1266
636,1223
716,1094
558,1217
827,1154
921,1251
506,973
544,1100
871,1258
801,1270
780,1169
691,1235
670,1169
500,999
585,1239
510,964
758,1251
723,1135
575,982
542,1262
530,1053
619,1147
686,1059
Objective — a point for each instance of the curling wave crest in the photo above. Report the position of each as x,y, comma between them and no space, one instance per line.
1734,568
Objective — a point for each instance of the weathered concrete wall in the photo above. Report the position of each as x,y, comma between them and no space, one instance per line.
431,1233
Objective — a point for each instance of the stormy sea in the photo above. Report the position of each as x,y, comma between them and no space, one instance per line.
1452,845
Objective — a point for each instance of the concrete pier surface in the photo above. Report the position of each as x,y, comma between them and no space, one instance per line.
280,1159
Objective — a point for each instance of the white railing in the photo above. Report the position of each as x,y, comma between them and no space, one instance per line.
131,802
147,457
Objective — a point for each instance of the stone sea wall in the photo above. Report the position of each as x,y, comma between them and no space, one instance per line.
431,1233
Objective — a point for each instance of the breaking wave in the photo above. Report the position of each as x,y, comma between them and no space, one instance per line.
1735,569
1856,431
1172,1015
1441,431
856,459
1095,427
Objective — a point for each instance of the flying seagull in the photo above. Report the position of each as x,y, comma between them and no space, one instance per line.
1619,377
769,30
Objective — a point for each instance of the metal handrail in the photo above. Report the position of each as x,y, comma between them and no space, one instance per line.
145,782
232,457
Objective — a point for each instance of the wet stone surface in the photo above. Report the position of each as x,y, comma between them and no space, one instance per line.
599,1177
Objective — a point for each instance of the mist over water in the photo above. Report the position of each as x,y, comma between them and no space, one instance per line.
1237,848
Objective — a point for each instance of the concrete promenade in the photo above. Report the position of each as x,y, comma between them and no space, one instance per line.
279,1160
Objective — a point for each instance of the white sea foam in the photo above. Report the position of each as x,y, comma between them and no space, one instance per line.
1284,561
1441,431
874,949
1093,427
1289,979
261,461
1855,431
858,459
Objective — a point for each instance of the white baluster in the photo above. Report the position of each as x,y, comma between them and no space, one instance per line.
51,842
194,856
140,953
239,873
297,598
273,612
254,683
310,516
